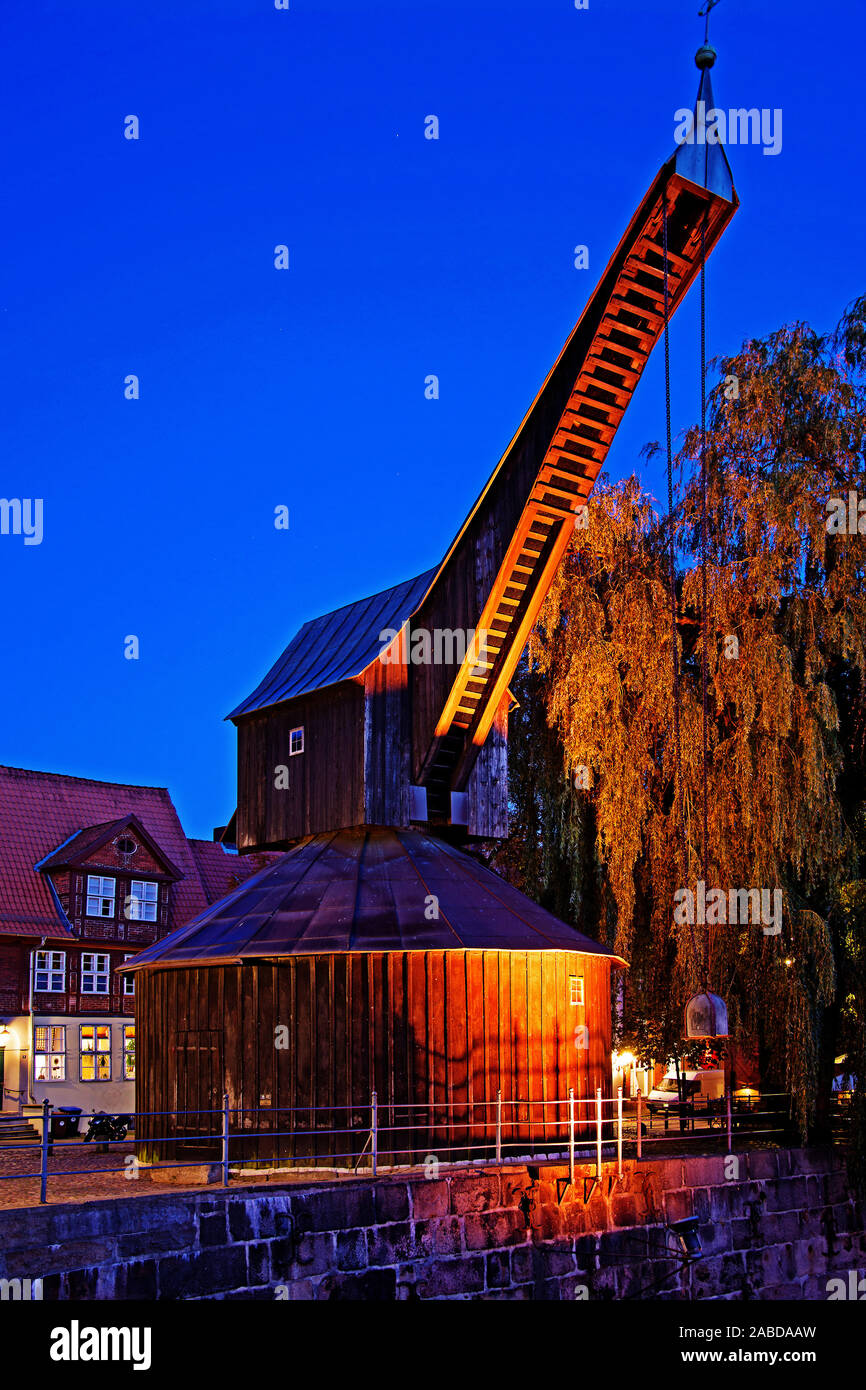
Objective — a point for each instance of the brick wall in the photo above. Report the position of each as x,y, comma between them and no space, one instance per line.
785,1225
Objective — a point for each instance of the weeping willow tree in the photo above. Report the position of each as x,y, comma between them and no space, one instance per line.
607,770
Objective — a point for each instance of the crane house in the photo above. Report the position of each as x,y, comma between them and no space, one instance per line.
378,954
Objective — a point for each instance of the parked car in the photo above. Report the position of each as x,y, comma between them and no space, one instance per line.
701,1091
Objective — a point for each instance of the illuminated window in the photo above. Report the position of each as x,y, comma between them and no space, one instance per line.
128,980
129,1052
142,900
100,896
49,1053
95,1052
50,973
575,989
94,973
296,741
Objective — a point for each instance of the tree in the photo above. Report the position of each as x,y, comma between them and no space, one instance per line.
786,719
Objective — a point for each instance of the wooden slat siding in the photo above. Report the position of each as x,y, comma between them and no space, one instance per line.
317,799
386,737
518,1032
488,781
492,1060
458,1039
437,1041
506,1047
447,1026
420,1074
476,1042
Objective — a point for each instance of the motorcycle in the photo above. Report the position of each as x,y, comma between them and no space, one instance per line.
104,1128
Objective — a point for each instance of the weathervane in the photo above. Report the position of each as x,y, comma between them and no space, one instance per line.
706,55
707,11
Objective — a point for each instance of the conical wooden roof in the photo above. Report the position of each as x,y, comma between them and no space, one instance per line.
367,889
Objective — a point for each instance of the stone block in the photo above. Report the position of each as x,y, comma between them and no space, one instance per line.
679,1204
491,1229
352,1249
389,1245
479,1192
212,1229
373,1286
786,1194
188,1175
138,1280
335,1208
444,1278
202,1273
439,1237
258,1263
177,1236
314,1253
241,1223
624,1210
763,1163
429,1198
391,1200
498,1269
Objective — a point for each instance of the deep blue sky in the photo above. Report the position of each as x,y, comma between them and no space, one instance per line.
306,387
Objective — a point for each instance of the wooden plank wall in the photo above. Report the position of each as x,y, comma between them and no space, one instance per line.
326,781
422,1028
488,781
386,737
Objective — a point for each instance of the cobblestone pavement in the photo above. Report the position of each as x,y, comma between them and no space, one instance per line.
93,1184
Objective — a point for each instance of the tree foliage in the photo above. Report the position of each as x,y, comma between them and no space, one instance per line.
786,669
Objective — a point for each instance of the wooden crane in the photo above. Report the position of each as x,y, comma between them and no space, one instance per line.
409,737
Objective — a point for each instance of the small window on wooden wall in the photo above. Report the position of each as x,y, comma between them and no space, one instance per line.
296,741
575,989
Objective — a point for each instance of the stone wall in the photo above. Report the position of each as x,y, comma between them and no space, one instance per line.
778,1228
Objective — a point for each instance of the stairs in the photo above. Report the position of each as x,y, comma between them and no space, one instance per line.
15,1130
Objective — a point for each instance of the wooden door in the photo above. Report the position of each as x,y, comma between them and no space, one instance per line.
198,1083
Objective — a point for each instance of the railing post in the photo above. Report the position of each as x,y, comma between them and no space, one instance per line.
639,1099
46,1125
225,1138
730,1126
619,1131
499,1126
598,1133
571,1135
374,1133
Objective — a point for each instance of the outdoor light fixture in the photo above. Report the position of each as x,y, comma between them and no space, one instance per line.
5,1034
706,1016
686,1233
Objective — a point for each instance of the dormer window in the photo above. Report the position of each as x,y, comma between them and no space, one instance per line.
296,741
142,901
100,896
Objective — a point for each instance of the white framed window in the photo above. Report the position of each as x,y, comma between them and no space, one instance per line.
100,896
95,1052
95,972
296,741
575,989
142,901
49,1052
50,972
128,980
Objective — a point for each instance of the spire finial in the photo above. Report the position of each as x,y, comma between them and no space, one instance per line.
706,54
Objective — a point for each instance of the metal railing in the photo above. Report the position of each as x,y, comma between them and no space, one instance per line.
572,1130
